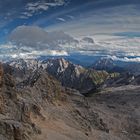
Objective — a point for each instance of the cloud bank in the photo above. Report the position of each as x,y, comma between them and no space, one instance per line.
11,51
28,41
125,59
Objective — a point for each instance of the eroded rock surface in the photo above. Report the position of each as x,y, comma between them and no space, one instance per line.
39,108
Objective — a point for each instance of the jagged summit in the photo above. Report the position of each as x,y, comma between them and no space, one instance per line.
59,65
104,63
69,74
109,65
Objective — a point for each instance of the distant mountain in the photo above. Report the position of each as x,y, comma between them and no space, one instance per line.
104,63
129,73
109,65
75,76
123,79
133,68
69,74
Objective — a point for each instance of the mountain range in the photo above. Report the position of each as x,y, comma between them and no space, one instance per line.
41,99
69,74
103,72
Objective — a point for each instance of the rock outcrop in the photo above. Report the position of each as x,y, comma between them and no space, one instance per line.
75,76
17,105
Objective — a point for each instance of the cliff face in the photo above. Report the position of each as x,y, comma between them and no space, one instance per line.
15,122
76,76
18,105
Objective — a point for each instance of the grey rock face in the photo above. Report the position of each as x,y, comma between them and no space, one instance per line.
69,74
104,64
18,105
75,76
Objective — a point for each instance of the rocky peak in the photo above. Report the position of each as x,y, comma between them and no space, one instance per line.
57,65
69,74
104,64
24,64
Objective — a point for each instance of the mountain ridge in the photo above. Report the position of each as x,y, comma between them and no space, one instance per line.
69,74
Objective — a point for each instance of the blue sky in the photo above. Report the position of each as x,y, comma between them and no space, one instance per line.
75,16
114,24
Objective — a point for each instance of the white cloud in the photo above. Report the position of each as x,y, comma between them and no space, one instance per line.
50,53
37,7
61,19
124,18
30,39
27,14
9,50
119,45
125,59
